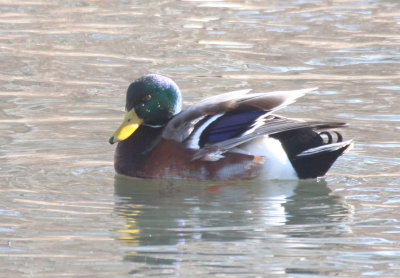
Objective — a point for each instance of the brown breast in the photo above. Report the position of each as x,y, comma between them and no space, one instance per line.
170,159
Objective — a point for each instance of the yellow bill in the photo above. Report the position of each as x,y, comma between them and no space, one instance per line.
127,128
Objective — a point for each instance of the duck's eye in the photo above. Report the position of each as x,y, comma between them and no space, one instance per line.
146,98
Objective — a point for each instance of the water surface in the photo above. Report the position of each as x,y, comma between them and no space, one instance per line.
65,69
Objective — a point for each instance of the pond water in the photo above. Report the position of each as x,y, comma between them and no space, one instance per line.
65,67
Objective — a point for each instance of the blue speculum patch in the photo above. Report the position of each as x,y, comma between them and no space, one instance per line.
229,125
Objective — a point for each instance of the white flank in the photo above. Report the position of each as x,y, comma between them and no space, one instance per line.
277,165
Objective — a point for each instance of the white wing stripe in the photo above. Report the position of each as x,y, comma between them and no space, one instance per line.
193,142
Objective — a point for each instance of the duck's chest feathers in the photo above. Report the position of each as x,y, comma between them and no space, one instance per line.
170,159
131,153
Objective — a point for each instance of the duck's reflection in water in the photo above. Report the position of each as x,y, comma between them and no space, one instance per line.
166,218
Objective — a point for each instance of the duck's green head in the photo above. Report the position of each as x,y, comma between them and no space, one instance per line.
151,100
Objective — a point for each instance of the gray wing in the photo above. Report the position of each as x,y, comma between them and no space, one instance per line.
180,127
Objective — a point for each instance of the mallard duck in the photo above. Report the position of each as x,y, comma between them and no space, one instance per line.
230,136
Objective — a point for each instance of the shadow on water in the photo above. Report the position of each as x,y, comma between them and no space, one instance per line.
162,216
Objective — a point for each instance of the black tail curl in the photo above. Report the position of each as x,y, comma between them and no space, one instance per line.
330,140
317,163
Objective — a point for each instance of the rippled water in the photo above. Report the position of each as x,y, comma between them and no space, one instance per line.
65,69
